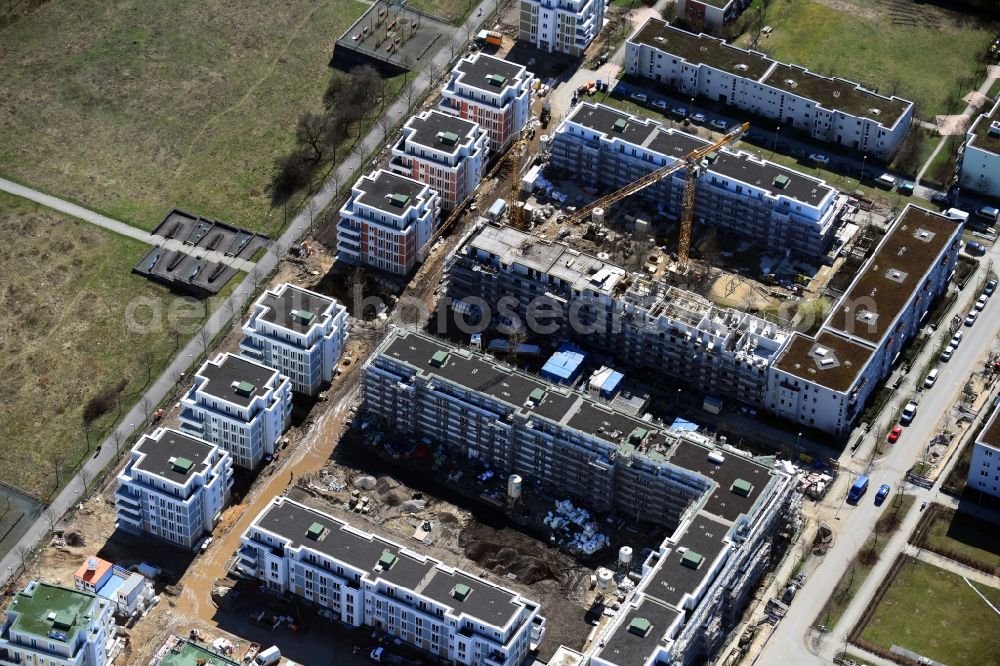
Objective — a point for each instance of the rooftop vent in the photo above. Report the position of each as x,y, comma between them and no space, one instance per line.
895,275
742,67
716,457
874,111
866,316
836,93
496,80
781,181
448,138
827,362
399,200
659,39
536,395
387,559
742,487
923,235
244,389
994,129
182,465
438,359
639,626
461,592
791,83
303,315
692,560
620,125
315,531
712,156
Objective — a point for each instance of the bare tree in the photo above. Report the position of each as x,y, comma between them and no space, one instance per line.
57,458
85,479
205,338
145,406
385,123
118,438
146,358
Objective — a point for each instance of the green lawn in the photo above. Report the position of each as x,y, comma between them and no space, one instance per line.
133,108
923,61
936,614
953,533
452,11
65,288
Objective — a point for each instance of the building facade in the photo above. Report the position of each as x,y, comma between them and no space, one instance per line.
443,151
721,507
713,15
823,381
299,333
174,487
984,470
560,26
829,109
387,222
240,405
492,92
49,625
980,157
369,581
766,203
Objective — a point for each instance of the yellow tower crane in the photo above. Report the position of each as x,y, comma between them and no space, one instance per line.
691,161
516,212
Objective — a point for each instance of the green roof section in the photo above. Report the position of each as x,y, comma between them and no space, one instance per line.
438,359
387,560
304,315
537,394
496,80
183,465
245,388
399,200
712,156
620,125
638,435
186,653
461,591
51,612
742,487
691,559
315,531
449,138
781,181
639,626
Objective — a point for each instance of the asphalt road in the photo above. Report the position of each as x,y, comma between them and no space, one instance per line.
793,642
219,320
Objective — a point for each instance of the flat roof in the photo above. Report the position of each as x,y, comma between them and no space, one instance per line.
702,48
980,130
293,521
186,653
725,501
158,453
482,72
52,612
829,360
636,130
236,379
628,645
674,578
836,94
389,192
432,130
892,274
990,434
289,308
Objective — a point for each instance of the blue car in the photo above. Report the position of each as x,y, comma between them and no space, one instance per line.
975,249
883,492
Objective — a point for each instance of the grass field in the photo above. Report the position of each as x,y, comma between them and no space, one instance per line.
64,290
956,534
859,41
936,614
133,108
452,11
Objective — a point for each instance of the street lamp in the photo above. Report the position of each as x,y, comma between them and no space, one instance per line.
691,108
798,449
677,403
774,148
864,159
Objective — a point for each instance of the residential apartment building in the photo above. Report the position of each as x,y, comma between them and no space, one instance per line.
49,625
387,222
768,204
721,507
561,26
644,323
492,92
829,109
443,151
980,157
712,15
299,333
365,580
240,405
984,470
823,381
173,487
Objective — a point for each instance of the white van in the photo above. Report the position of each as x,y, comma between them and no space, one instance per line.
931,378
268,657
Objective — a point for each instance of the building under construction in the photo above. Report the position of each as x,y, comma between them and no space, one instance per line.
722,508
644,323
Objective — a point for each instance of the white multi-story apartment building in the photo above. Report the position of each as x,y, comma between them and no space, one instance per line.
443,151
980,158
299,333
366,580
711,14
174,487
984,470
49,625
561,26
492,92
823,381
387,222
762,201
829,109
240,405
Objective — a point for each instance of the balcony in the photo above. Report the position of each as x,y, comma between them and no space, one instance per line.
123,497
249,347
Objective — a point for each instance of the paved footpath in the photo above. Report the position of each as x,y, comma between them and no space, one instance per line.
121,228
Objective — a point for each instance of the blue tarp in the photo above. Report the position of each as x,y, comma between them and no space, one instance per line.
611,385
682,425
565,365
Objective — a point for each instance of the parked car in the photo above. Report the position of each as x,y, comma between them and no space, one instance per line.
638,97
982,301
819,158
883,492
970,318
894,434
990,287
660,104
679,111
975,249
905,187
940,199
720,125
908,413
988,213
698,117
931,378
956,339
946,353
